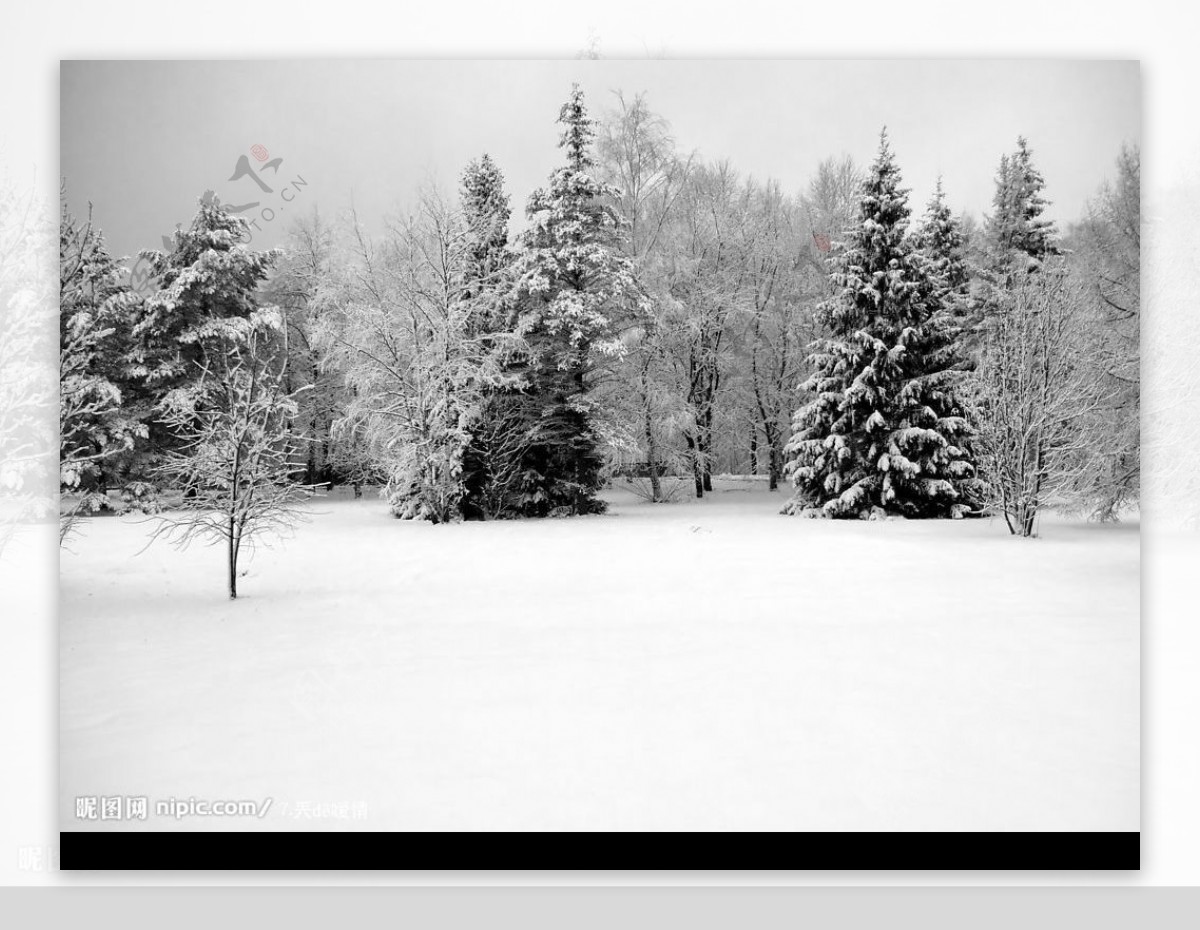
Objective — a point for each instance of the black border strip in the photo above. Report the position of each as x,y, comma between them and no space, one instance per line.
260,851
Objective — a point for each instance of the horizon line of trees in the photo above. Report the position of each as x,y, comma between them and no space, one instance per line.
662,318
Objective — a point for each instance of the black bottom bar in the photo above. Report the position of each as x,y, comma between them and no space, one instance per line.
815,851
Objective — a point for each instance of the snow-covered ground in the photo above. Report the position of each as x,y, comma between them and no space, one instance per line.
702,665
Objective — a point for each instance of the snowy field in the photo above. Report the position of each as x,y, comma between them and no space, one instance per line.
702,665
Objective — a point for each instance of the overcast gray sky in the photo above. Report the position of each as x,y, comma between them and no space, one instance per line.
143,140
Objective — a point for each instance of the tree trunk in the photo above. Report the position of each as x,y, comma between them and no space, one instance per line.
706,450
313,422
232,561
652,460
697,473
753,449
774,464
1030,511
1031,506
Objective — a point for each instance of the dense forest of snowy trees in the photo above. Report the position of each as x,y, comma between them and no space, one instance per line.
659,319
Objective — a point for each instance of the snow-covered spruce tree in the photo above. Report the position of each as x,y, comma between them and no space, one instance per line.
575,291
95,306
1019,237
206,298
939,238
486,212
490,463
237,458
885,431
960,283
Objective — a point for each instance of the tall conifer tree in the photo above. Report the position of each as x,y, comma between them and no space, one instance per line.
575,292
884,432
1019,237
205,303
939,237
487,279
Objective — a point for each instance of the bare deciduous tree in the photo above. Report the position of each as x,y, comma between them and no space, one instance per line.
294,287
399,329
238,459
1036,398
638,157
1108,253
784,289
